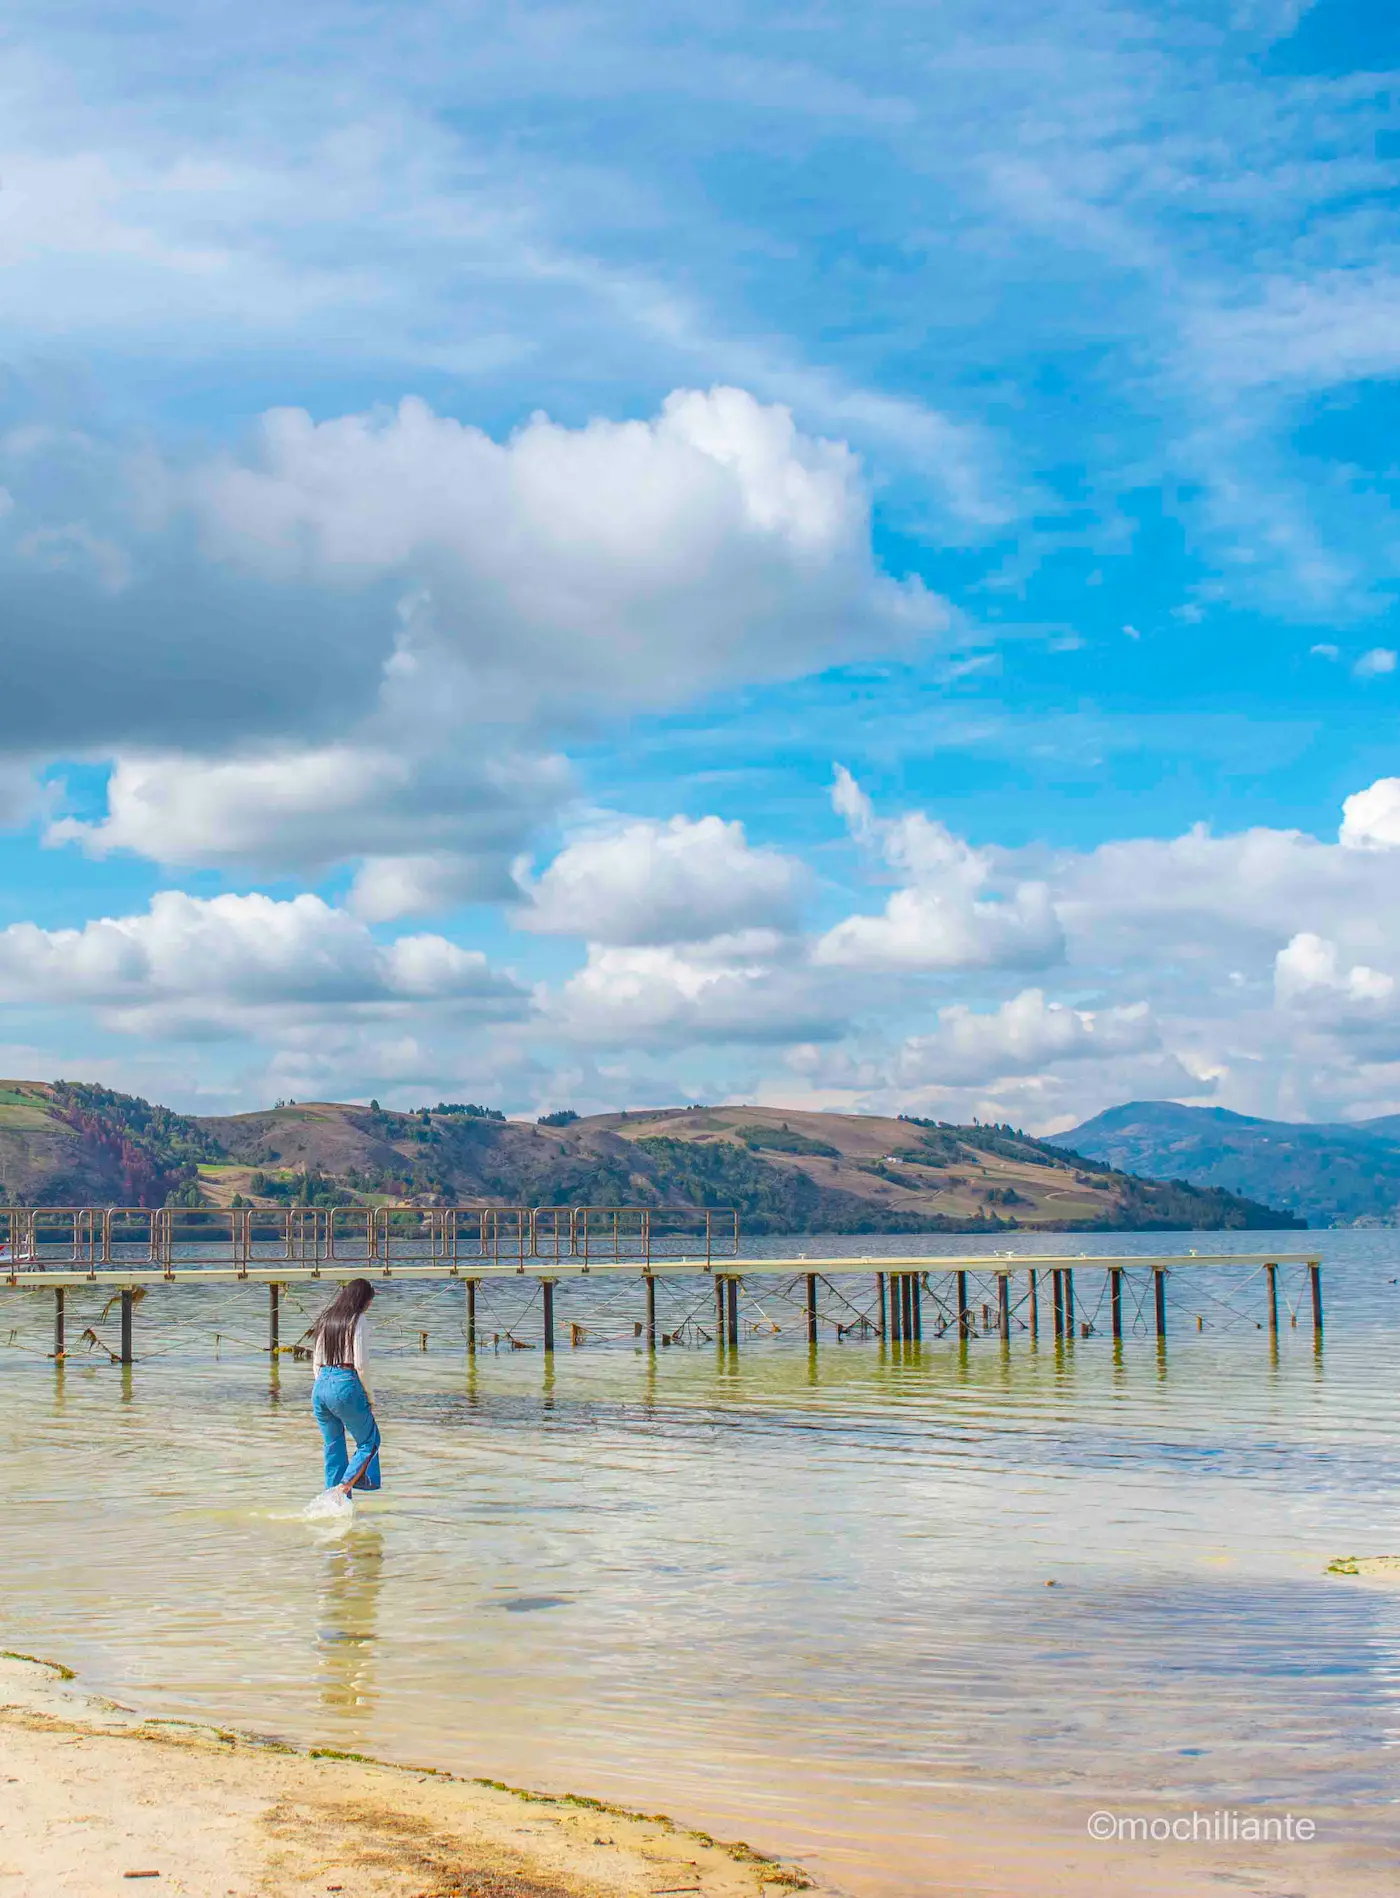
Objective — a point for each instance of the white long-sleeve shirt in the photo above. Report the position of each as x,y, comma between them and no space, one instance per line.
359,1350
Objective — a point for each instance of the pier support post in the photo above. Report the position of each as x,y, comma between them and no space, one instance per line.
59,1344
719,1311
127,1306
732,1302
894,1331
1057,1289
1034,1278
916,1304
880,1294
547,1288
811,1308
906,1305
273,1316
964,1322
1004,1305
1115,1300
651,1312
1315,1279
1159,1299
1271,1291
1069,1303
471,1316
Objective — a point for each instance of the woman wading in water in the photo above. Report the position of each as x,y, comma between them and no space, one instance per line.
339,1398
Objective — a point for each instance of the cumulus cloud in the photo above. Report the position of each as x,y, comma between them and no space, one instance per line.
676,882
380,622
1259,970
1371,818
1030,1060
1200,898
434,830
1025,1035
952,913
205,961
748,987
1309,964
611,567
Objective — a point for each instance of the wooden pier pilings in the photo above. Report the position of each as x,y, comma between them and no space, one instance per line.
125,1251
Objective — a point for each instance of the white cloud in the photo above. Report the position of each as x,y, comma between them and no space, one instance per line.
676,882
436,830
612,567
950,914
446,603
1257,969
749,987
1025,1035
1310,963
191,961
1375,664
1371,818
1203,901
1029,1060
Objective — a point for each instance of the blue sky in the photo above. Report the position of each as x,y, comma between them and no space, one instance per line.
598,555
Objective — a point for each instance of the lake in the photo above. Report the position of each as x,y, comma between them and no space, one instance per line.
796,1598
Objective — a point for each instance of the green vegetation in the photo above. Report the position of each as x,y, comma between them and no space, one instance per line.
174,1139
784,1140
151,1151
1003,1141
561,1117
302,1189
1175,1206
468,1107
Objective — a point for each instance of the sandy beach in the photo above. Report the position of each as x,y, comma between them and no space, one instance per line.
99,1800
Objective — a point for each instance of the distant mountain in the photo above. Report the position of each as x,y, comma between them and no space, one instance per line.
1329,1174
785,1170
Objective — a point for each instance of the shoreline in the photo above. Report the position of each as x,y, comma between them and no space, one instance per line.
98,1795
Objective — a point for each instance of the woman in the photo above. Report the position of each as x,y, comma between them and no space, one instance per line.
339,1397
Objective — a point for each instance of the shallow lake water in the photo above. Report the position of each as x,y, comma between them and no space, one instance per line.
795,1597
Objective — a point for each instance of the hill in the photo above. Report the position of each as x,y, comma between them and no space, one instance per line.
1328,1174
786,1170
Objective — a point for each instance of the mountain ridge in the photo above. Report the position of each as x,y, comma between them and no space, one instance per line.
1331,1173
784,1169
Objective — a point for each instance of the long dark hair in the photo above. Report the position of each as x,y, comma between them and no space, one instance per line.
335,1328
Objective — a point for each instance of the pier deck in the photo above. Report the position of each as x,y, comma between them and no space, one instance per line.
126,1251
115,1273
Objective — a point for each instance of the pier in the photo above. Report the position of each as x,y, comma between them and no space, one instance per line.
676,1276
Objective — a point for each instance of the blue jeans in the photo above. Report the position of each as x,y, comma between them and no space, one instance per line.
338,1398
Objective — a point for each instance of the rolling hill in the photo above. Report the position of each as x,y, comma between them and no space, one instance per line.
787,1171
1328,1174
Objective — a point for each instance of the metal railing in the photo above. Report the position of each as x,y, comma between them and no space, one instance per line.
32,1238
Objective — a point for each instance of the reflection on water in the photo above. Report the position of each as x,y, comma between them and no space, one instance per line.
798,1597
352,1570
